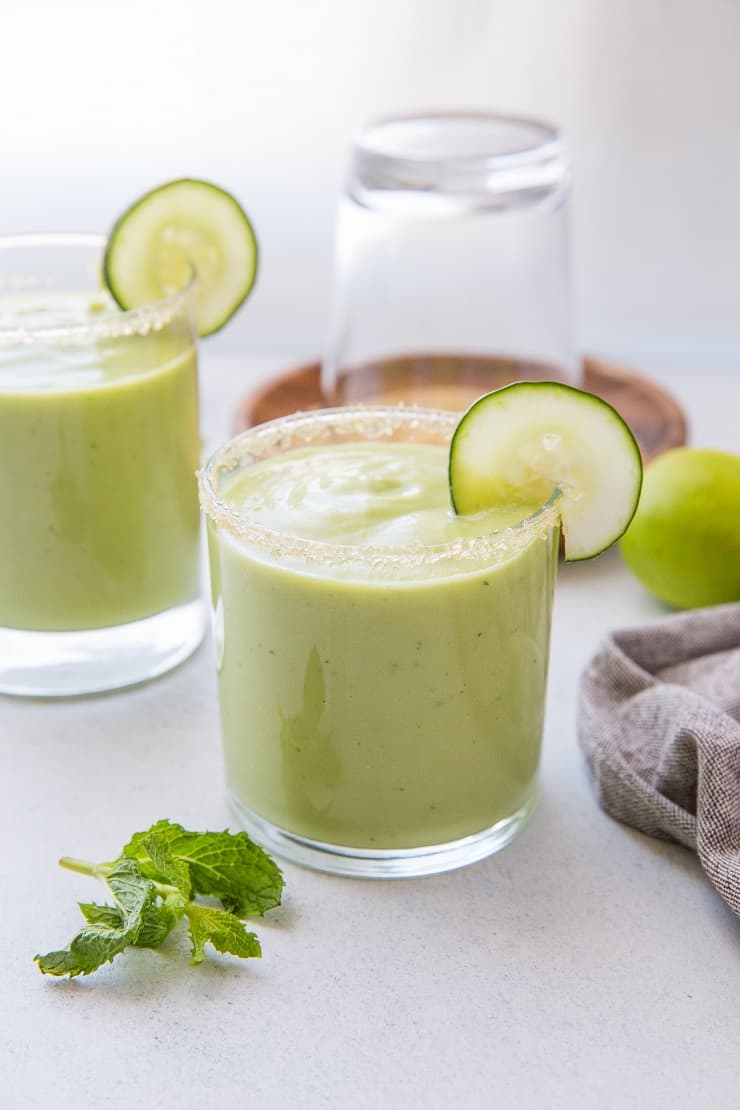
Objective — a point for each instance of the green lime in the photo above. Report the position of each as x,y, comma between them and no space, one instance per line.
684,543
180,230
519,443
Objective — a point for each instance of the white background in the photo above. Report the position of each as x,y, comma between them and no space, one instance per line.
102,99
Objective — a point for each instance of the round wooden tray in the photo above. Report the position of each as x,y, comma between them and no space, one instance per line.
454,381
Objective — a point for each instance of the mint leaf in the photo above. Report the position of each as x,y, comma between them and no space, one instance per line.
166,833
168,867
153,883
228,866
130,888
101,915
221,929
234,869
98,943
158,920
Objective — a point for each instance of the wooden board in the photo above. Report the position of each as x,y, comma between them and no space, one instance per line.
453,382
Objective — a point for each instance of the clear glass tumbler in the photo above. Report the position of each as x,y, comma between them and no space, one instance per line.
99,444
381,705
452,261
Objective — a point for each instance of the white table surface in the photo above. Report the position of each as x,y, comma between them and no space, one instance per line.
585,966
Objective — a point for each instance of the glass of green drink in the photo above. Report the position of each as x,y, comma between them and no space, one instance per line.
382,662
99,444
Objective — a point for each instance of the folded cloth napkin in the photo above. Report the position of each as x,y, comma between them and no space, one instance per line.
659,724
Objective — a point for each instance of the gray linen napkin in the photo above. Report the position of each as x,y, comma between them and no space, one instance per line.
659,724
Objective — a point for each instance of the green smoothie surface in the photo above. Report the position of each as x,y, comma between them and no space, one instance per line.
70,342
369,494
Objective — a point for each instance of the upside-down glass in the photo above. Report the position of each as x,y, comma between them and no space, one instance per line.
452,262
381,707
99,444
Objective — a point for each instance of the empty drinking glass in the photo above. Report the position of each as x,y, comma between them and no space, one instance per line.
452,273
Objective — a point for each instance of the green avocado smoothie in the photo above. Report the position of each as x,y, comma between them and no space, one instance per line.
98,448
382,662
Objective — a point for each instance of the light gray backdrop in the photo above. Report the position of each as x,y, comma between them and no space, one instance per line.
100,100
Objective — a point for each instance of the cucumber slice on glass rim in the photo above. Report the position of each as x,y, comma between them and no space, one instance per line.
182,227
517,444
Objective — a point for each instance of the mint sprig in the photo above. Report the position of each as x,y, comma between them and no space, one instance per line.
153,884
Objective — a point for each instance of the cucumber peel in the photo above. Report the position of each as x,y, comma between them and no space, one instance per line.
519,443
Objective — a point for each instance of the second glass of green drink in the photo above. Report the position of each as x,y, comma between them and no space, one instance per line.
99,444
382,662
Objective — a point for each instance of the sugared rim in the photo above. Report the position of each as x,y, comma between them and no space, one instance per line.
134,321
369,422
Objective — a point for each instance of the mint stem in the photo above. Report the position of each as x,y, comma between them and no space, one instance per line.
84,867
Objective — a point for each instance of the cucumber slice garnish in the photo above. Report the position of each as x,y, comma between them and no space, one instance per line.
517,444
182,227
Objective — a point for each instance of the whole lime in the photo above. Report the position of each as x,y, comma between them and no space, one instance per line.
684,540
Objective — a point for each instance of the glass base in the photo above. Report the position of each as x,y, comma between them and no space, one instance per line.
68,664
390,863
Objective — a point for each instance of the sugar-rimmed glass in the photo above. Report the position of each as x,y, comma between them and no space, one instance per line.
99,524
451,261
381,707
